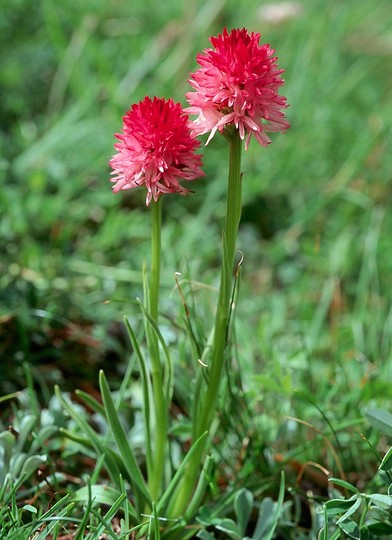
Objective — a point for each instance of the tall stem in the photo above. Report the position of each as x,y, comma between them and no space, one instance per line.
233,216
205,417
155,271
160,405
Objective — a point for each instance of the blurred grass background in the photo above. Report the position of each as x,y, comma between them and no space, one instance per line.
315,307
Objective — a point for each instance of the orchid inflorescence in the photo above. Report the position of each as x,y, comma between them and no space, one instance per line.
237,84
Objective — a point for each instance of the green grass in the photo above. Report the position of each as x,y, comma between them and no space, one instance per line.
314,317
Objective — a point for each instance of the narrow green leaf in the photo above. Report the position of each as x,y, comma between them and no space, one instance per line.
53,510
91,402
146,392
76,437
168,374
86,516
169,492
386,463
108,453
157,534
110,515
343,484
99,464
105,521
9,396
129,510
120,437
52,522
306,397
204,479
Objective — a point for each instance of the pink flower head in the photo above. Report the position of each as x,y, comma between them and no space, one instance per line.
155,149
238,84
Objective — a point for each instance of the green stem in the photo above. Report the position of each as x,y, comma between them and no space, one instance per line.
216,363
160,405
233,216
155,271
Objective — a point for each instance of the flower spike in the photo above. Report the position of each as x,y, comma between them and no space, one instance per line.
237,84
156,149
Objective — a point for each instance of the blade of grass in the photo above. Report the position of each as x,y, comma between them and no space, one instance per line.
129,460
146,392
104,525
204,479
9,396
91,402
169,493
157,534
86,516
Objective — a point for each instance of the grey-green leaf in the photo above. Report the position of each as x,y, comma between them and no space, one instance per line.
243,504
381,420
386,463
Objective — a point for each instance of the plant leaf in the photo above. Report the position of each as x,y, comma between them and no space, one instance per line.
146,393
383,501
350,511
101,494
381,420
343,484
204,535
351,529
169,492
243,504
386,463
338,506
31,465
204,479
120,437
9,396
229,527
91,402
168,381
264,520
278,509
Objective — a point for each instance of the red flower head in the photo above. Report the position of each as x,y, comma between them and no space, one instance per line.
155,149
237,83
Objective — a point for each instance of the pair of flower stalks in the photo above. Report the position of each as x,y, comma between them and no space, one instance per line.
236,94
